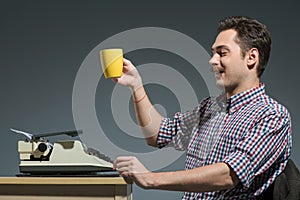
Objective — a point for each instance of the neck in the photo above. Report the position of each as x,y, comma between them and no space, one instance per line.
241,88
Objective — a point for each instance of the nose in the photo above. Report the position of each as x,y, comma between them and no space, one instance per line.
214,60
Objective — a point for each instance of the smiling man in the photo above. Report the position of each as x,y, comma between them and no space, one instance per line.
237,143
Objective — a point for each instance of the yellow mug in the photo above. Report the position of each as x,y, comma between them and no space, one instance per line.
112,62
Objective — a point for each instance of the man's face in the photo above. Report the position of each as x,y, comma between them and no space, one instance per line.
227,63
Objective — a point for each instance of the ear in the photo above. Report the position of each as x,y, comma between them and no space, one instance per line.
252,58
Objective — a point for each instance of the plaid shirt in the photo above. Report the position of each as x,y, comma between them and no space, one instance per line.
250,132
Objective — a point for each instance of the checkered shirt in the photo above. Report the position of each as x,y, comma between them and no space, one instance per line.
250,132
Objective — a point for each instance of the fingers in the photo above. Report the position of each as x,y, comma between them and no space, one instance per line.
126,61
132,170
123,166
128,180
130,76
126,165
127,65
124,158
115,80
122,161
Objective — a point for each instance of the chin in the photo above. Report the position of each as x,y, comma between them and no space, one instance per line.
220,85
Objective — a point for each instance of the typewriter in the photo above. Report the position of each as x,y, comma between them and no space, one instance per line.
65,157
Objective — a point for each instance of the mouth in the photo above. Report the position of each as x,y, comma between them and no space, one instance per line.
219,73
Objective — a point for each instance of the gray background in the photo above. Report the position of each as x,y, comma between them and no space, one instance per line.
43,43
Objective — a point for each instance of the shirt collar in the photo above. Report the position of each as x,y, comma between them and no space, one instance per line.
236,101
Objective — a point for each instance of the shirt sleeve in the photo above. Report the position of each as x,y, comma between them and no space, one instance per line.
176,132
266,141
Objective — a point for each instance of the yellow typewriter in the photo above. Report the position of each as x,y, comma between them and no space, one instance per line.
66,157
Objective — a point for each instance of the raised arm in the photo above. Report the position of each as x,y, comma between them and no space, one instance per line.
147,116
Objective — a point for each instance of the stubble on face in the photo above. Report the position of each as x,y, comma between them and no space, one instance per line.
227,62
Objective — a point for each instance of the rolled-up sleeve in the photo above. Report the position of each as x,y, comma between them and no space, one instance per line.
167,130
177,132
174,133
266,141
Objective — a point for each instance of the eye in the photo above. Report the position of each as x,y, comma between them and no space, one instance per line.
222,53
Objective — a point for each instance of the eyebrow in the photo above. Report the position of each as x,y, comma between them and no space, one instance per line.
220,47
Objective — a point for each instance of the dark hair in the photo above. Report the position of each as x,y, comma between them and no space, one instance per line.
250,34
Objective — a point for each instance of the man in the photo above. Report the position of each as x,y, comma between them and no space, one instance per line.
236,144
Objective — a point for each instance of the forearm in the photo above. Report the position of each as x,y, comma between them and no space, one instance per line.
147,116
203,179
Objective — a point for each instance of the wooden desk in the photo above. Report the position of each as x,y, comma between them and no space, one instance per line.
64,188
